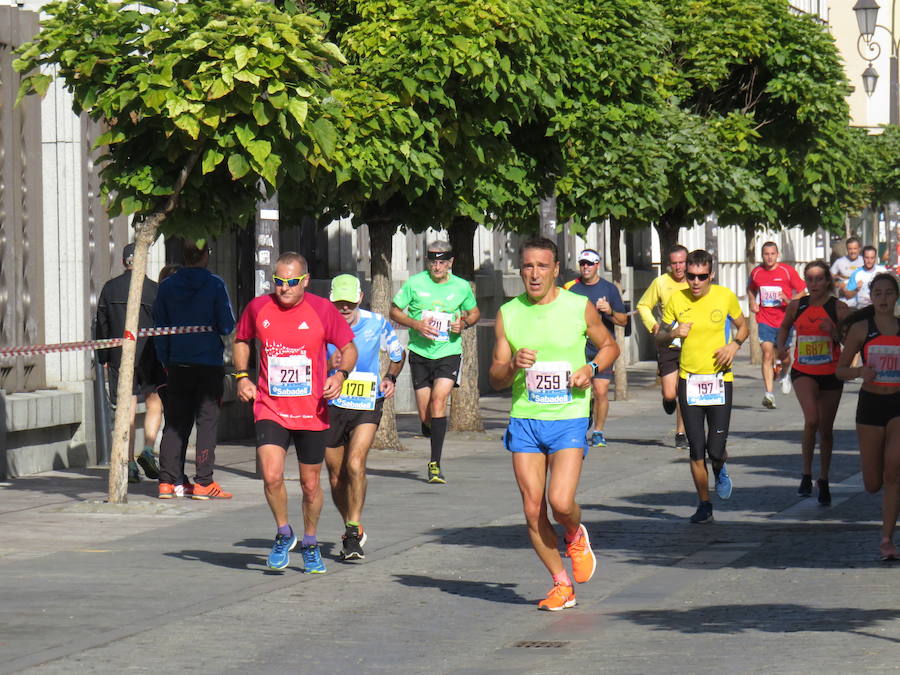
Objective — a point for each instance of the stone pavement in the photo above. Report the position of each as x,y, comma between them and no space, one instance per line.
450,583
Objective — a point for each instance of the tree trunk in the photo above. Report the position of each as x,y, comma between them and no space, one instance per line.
667,228
620,368
381,233
145,233
465,407
750,258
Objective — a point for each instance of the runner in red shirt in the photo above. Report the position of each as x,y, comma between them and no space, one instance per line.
293,328
775,284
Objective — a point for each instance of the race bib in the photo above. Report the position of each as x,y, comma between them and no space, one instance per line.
813,350
547,382
358,392
706,389
440,321
770,296
885,361
290,375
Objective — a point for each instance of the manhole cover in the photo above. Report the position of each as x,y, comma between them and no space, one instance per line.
541,644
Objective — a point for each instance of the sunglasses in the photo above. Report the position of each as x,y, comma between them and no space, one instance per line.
818,278
701,277
582,263
293,281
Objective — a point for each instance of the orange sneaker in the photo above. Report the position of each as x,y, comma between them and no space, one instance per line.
559,597
584,562
166,491
211,491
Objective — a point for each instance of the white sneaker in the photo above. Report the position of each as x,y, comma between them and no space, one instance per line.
769,400
786,384
179,490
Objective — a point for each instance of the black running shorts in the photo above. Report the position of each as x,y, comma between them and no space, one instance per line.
310,445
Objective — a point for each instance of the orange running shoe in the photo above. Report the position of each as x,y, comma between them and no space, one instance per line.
559,597
584,562
211,491
166,491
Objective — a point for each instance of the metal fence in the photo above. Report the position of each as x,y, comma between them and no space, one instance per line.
21,232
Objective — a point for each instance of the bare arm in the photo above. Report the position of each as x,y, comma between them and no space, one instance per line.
240,354
725,355
334,382
790,315
402,318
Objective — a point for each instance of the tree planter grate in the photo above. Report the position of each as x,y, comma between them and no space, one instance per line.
541,644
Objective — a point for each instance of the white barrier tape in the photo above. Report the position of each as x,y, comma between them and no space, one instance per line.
32,350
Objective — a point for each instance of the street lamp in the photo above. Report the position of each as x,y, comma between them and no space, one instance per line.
870,50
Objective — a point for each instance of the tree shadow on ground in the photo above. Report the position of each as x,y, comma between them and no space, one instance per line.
491,591
770,618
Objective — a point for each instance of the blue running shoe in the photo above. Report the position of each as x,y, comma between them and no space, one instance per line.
598,440
312,560
723,484
281,551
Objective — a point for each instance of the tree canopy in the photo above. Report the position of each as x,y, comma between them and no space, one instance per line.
236,85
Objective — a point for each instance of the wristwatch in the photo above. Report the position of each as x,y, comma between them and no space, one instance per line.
344,372
391,377
594,368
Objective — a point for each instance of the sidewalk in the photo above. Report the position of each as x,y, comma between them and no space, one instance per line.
449,583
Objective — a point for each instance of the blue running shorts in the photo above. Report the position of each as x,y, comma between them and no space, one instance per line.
769,333
546,436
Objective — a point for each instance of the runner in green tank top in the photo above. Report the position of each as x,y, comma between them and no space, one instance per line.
539,350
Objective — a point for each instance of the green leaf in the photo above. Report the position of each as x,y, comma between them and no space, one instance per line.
238,166
211,159
259,150
325,134
241,56
298,110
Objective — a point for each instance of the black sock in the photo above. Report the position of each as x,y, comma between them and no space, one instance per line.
438,431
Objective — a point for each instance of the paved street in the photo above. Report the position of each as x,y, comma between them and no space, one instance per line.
450,583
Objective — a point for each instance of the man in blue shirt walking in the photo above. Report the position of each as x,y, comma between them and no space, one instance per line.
606,298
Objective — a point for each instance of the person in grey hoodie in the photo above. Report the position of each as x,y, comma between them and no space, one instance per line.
194,364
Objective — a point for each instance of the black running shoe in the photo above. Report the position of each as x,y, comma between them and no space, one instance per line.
703,514
669,405
353,540
824,492
805,489
148,464
681,442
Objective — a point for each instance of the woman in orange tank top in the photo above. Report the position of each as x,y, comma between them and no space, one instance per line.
875,333
815,318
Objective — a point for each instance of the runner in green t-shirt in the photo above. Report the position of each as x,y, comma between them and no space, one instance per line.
436,307
539,350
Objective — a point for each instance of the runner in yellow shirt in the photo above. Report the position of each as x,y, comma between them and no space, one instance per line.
702,316
650,306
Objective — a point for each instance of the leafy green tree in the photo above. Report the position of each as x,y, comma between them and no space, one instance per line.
438,89
767,88
208,105
880,157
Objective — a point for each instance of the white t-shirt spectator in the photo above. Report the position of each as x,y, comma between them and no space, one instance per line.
842,268
859,281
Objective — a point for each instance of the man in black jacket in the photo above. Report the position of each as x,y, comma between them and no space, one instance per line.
111,324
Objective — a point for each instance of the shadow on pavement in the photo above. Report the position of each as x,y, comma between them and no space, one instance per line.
237,561
770,618
396,473
481,590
